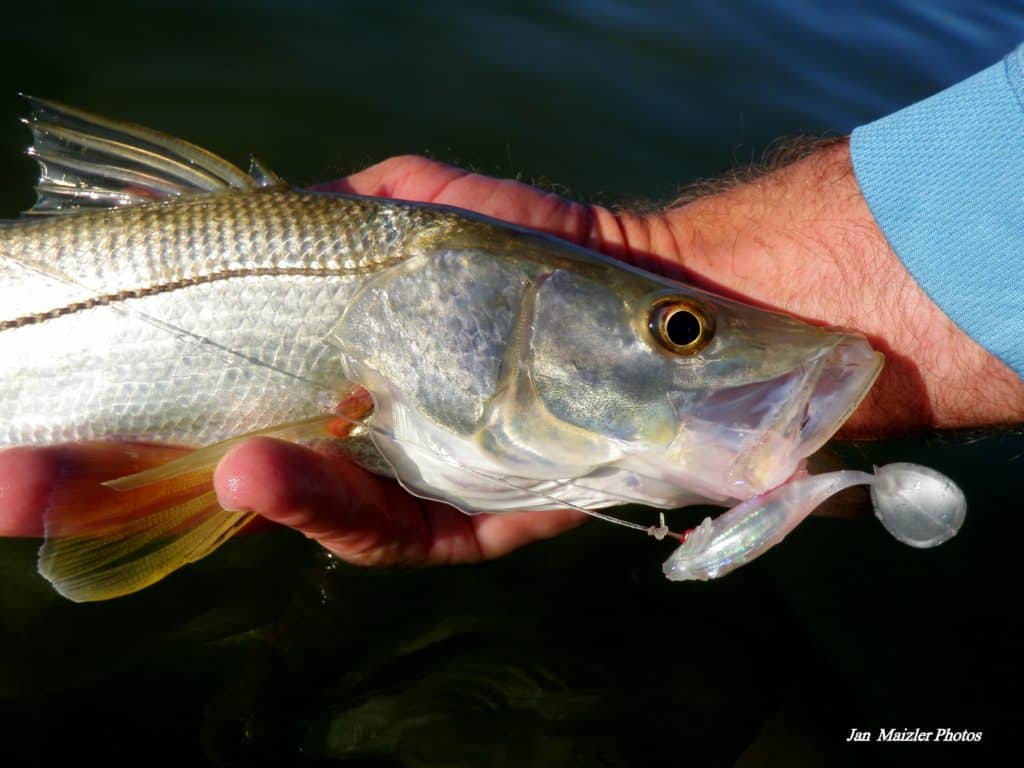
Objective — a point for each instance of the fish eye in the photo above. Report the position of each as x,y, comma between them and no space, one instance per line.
683,326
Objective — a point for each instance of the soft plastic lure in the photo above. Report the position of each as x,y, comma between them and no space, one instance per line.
917,505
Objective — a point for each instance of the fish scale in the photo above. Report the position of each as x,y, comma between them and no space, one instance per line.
289,261
131,248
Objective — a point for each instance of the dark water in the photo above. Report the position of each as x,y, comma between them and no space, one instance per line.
573,652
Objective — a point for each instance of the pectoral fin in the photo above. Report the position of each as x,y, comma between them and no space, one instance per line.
106,539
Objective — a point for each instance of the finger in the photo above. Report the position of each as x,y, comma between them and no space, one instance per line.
364,519
344,508
497,535
26,477
406,177
30,476
410,177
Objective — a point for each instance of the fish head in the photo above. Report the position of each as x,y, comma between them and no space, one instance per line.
693,389
511,371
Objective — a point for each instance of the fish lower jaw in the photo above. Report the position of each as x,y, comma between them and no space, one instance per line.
845,378
834,388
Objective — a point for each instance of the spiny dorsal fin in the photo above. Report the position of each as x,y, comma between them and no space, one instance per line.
87,162
262,175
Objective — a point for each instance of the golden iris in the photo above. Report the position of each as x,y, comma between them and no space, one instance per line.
681,325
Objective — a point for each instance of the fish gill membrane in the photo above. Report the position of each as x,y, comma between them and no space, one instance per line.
180,301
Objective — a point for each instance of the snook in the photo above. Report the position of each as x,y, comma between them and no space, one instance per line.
164,295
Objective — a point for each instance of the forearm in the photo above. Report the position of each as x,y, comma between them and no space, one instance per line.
802,240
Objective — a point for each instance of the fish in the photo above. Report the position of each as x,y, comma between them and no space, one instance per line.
158,294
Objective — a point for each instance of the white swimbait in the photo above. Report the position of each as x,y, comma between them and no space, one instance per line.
917,505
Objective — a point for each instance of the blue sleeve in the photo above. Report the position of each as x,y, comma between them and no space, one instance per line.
944,179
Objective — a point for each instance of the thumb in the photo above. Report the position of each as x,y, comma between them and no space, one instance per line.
330,500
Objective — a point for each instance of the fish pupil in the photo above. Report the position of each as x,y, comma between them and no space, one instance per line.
682,328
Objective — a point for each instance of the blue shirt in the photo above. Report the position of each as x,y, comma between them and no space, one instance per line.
944,179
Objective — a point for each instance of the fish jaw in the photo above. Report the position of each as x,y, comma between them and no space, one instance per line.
745,441
819,396
846,376
833,386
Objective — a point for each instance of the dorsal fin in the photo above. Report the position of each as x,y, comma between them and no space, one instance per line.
87,162
262,175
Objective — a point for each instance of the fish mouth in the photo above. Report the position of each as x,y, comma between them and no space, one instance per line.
838,385
742,441
818,396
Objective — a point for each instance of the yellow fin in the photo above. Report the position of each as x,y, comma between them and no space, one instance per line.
197,460
89,568
106,539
